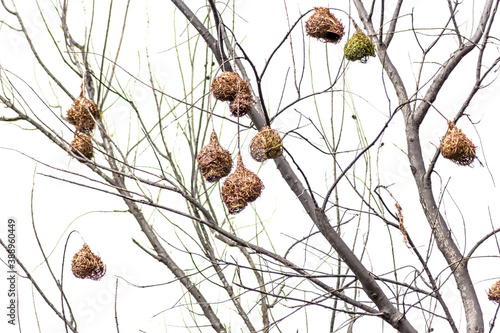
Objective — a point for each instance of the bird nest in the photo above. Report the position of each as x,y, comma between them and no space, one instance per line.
214,161
494,292
241,104
82,145
227,85
82,114
266,144
240,188
359,47
87,265
324,25
457,147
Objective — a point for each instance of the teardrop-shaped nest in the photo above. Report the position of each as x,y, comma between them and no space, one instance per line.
82,114
494,292
214,161
241,104
240,188
324,25
457,147
82,144
266,144
359,47
227,85
87,265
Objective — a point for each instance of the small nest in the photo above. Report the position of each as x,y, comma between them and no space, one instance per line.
82,114
266,144
457,147
240,188
86,264
359,47
214,161
324,25
227,85
82,144
494,292
241,104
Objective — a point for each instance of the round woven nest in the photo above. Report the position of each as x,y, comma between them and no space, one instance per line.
266,144
359,47
87,265
456,147
214,161
82,114
240,188
227,85
241,104
494,292
324,25
82,145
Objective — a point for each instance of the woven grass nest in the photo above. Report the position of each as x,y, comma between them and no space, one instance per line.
457,147
87,265
214,161
494,292
266,144
359,47
324,25
82,144
82,114
240,188
227,85
241,104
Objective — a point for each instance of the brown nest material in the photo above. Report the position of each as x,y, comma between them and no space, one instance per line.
457,147
86,264
241,104
214,161
266,144
82,114
494,292
82,144
227,85
240,188
324,25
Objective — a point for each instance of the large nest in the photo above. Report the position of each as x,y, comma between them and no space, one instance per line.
266,144
494,292
359,47
240,188
86,264
324,25
214,161
227,85
241,104
82,145
82,114
457,147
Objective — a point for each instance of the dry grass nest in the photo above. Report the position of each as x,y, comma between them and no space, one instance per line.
457,147
86,264
324,25
240,188
82,114
214,161
359,47
227,85
266,144
494,292
82,145
241,104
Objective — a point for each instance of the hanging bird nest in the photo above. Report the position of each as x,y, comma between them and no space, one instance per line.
359,47
266,144
240,188
241,104
82,144
227,85
214,161
494,292
457,147
324,25
82,114
86,264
